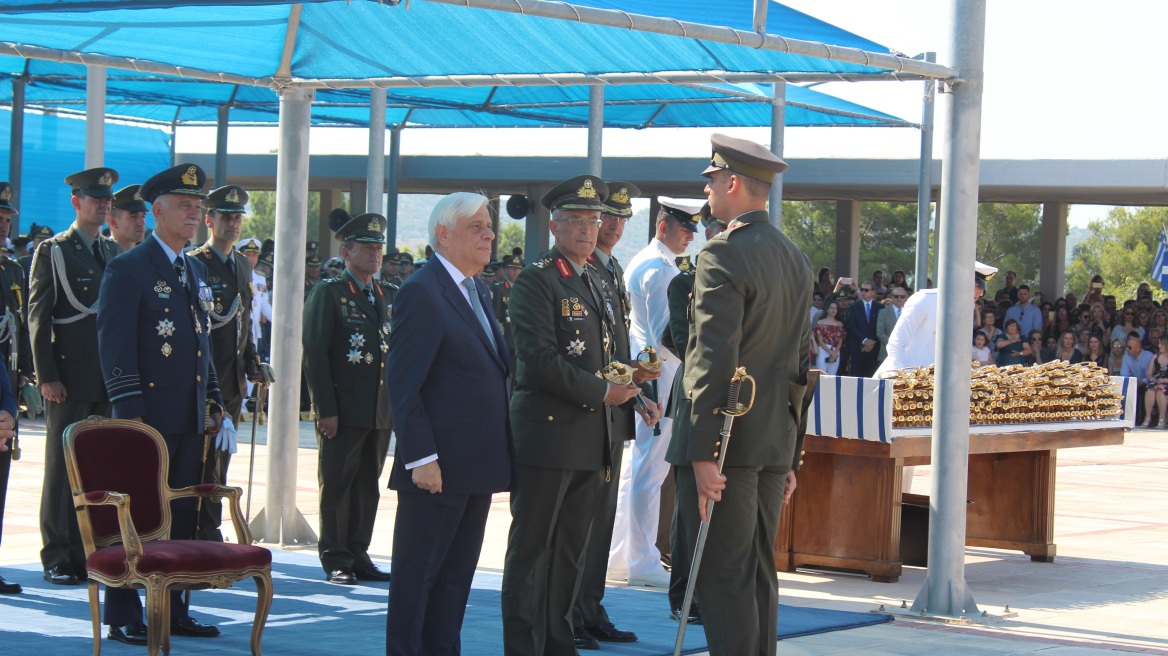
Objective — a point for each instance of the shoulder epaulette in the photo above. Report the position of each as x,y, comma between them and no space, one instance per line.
542,263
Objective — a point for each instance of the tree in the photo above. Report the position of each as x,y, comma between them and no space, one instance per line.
511,234
261,221
1008,237
1120,247
811,225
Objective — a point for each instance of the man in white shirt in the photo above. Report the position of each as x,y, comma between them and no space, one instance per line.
639,499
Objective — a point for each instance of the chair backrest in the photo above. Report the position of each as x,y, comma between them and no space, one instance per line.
112,455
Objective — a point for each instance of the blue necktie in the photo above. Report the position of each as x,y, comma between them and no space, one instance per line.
477,305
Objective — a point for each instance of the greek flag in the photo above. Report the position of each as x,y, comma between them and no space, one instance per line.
1160,264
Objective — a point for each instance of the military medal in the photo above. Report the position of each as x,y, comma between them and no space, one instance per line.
206,298
368,358
564,308
162,288
576,347
384,346
165,328
357,340
166,350
354,356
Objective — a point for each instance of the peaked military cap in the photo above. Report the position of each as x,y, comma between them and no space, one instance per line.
511,261
22,240
311,247
40,232
97,182
228,199
366,229
248,245
129,199
267,258
687,212
744,157
313,260
490,268
982,273
6,198
405,258
584,192
182,180
709,219
620,198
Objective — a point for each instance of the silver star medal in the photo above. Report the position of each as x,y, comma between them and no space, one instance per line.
576,347
354,357
357,340
165,328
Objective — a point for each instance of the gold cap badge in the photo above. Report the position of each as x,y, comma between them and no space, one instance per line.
190,177
105,180
374,225
137,195
621,196
6,194
587,191
233,196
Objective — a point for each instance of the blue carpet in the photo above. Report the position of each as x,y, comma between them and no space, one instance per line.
310,617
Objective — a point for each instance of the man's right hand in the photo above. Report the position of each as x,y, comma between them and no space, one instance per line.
710,484
428,477
641,374
54,391
327,427
618,394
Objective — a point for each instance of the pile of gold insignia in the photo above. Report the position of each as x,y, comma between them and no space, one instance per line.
1051,392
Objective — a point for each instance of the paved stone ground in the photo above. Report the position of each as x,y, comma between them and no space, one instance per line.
1106,592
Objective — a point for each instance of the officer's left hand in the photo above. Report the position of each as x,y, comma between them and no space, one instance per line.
216,421
651,413
641,374
7,429
789,486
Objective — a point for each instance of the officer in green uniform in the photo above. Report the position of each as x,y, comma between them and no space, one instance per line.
127,219
13,340
229,277
509,268
312,264
751,293
561,422
62,308
36,235
346,336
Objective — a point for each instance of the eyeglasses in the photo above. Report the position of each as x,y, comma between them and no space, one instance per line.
865,289
579,222
613,217
899,297
1036,339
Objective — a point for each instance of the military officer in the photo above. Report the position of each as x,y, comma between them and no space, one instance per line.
153,330
264,267
15,340
36,235
346,336
509,268
229,276
64,282
312,264
405,267
751,293
561,421
127,219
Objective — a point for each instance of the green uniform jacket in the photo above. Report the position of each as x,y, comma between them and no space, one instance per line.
15,330
680,295
558,416
345,343
67,352
751,294
617,297
231,346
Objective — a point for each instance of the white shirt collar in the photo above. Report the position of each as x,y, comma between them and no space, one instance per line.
455,275
170,254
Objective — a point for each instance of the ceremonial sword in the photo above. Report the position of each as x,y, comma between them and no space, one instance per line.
731,410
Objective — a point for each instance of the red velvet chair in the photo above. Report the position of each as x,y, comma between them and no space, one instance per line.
111,462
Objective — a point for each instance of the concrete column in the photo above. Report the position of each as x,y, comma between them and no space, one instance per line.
847,240
16,148
778,121
357,197
536,236
330,199
375,177
493,208
94,116
596,130
280,521
393,188
1053,252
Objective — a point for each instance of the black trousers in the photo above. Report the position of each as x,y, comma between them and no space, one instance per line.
347,470
589,611
551,515
217,462
122,605
60,535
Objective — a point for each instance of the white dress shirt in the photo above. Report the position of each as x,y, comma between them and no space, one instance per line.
647,279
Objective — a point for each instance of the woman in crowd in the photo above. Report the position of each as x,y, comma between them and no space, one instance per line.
898,280
1062,320
1095,351
1094,290
1039,353
829,336
824,285
1084,342
1115,359
1126,324
1081,318
1143,320
1067,350
1012,349
989,320
1158,386
981,352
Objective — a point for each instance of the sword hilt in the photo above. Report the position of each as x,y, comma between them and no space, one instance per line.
733,408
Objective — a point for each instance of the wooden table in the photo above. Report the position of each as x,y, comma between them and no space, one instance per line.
846,511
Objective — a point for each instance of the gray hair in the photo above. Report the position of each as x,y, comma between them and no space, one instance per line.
451,208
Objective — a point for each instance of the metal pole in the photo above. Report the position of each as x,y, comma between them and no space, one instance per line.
596,130
280,520
375,172
16,146
94,116
778,121
945,592
394,185
925,188
760,15
221,145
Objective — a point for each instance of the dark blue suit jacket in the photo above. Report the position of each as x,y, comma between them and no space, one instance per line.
860,328
153,335
448,387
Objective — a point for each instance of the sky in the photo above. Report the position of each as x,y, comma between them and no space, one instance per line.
1041,57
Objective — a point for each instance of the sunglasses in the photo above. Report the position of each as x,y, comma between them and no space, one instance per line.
865,289
899,297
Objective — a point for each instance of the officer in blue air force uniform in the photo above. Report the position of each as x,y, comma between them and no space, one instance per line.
153,333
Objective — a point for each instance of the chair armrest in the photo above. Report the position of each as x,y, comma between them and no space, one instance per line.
130,540
232,494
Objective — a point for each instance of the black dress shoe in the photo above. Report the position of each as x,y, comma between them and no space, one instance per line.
9,588
131,634
584,640
370,573
695,615
607,632
192,628
342,577
61,575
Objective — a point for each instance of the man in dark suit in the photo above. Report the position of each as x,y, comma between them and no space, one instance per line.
64,282
346,337
448,383
561,422
229,277
751,294
863,342
153,331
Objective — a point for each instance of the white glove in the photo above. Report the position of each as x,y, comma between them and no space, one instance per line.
225,440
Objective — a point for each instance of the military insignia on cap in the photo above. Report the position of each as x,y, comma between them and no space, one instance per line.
232,196
374,225
587,190
6,194
621,196
165,328
138,194
105,180
191,177
575,347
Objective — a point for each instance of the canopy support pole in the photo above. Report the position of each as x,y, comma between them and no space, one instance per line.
94,116
925,187
945,591
280,522
375,172
596,130
778,121
16,145
394,187
221,126
760,15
